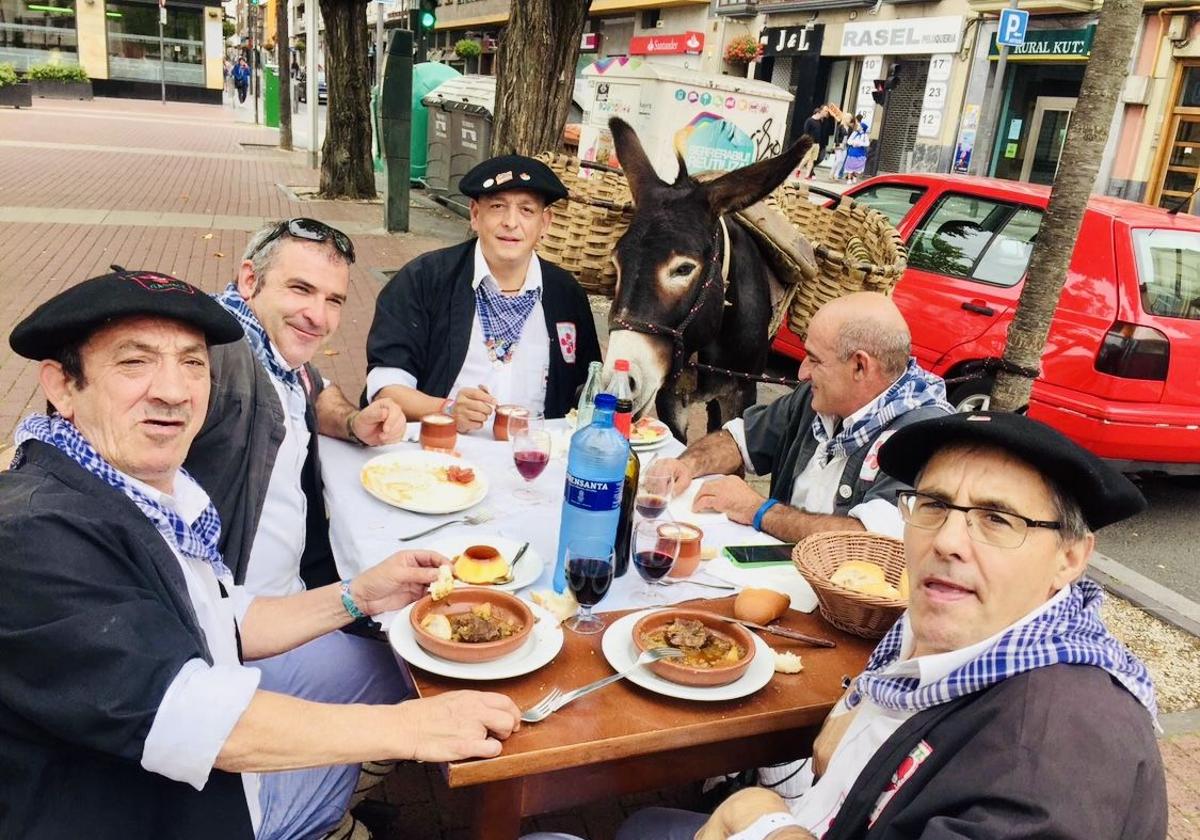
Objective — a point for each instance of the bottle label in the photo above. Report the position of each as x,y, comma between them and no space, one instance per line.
586,494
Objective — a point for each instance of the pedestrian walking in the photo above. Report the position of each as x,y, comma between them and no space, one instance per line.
241,79
843,126
857,145
813,128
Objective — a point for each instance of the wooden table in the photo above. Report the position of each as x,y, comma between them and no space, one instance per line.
624,739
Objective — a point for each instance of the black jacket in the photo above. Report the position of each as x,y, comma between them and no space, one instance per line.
424,315
1058,753
95,622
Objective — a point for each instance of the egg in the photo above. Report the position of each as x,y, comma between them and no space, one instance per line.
760,606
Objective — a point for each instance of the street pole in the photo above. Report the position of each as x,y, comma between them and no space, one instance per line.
311,40
987,128
255,60
162,51
380,46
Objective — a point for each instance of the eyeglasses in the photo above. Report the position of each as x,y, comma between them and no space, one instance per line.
984,525
313,231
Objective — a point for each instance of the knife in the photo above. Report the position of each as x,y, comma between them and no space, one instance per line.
796,635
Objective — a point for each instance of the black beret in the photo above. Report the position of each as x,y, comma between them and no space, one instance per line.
512,172
77,312
1103,494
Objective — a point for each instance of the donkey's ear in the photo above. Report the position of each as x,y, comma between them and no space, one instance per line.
638,171
742,187
682,177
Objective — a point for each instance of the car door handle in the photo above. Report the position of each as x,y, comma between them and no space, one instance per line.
978,308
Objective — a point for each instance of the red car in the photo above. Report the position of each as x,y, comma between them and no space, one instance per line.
1121,368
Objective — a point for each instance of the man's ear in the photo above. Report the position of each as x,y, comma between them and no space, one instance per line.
1073,560
246,279
57,387
861,362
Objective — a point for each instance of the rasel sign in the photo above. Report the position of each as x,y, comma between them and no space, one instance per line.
903,37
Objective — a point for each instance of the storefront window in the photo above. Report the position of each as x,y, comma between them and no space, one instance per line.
37,32
133,43
1033,129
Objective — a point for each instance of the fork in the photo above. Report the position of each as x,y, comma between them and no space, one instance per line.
556,699
474,519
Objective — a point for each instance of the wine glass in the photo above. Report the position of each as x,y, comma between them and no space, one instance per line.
654,493
589,575
656,545
531,454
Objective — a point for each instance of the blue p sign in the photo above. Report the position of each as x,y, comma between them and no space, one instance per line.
1013,23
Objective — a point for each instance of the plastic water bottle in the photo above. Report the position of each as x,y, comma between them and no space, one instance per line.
595,477
587,399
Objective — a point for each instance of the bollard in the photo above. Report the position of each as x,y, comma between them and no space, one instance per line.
395,123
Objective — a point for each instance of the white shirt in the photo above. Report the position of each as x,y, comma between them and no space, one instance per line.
274,564
816,486
873,724
522,381
204,702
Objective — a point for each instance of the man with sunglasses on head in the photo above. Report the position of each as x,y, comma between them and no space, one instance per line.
463,329
257,454
998,706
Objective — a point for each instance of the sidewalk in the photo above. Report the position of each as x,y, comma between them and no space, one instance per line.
179,188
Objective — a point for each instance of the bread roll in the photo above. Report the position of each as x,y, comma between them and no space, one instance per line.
760,606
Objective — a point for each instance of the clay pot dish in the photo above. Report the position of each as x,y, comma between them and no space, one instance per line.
673,670
461,601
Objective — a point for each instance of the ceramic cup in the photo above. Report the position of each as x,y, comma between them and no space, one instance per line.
689,537
438,432
500,422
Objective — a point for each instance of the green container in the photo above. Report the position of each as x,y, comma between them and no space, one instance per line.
426,76
270,77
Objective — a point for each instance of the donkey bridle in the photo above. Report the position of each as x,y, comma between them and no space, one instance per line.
712,276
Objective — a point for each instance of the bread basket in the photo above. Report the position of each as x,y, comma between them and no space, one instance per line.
819,556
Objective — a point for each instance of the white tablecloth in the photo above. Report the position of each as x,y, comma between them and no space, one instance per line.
364,530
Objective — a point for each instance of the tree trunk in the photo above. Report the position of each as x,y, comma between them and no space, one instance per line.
284,63
1082,152
346,167
535,75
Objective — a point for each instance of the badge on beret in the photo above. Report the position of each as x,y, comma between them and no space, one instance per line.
524,176
160,283
566,340
488,183
503,178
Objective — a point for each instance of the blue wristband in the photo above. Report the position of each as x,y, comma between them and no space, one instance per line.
348,602
762,511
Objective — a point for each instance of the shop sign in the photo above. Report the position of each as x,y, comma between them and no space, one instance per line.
792,40
1050,45
686,43
589,41
903,37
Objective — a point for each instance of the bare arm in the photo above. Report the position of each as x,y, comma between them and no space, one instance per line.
277,732
716,453
739,812
383,421
790,524
731,496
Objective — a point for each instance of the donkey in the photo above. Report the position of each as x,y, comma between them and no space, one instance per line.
690,282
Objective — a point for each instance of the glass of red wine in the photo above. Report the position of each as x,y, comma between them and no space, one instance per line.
531,454
589,575
655,549
654,493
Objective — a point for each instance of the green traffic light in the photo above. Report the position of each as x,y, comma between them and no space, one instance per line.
428,19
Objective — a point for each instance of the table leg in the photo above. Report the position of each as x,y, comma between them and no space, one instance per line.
496,811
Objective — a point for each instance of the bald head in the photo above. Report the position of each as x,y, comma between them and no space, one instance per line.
868,322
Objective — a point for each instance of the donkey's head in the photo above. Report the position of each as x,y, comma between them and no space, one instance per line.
669,260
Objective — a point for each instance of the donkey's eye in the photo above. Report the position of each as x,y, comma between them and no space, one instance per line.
683,269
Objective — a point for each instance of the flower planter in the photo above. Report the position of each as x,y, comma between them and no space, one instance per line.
16,96
51,89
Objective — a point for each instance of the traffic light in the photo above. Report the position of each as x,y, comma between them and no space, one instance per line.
427,15
882,86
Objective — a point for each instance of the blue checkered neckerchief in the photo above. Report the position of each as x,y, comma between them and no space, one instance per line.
503,318
915,388
198,540
256,336
1068,632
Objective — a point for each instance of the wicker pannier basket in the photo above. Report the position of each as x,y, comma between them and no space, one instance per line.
819,556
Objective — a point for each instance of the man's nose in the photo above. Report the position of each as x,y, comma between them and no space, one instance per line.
953,538
169,384
805,372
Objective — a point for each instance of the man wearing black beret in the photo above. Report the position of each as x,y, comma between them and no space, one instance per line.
998,706
126,706
463,329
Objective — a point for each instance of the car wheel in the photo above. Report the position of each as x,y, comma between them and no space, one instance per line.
972,395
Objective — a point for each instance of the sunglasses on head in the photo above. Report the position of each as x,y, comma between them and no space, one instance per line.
313,231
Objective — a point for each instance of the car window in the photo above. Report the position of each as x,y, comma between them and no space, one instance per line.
892,200
1168,265
979,238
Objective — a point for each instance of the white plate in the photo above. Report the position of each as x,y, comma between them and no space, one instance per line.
429,495
664,434
621,653
544,643
646,447
529,567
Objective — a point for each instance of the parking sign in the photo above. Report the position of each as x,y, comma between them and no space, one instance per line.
1013,23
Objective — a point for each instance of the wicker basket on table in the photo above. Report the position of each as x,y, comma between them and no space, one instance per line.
819,556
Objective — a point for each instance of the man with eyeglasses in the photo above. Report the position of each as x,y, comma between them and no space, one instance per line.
998,706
